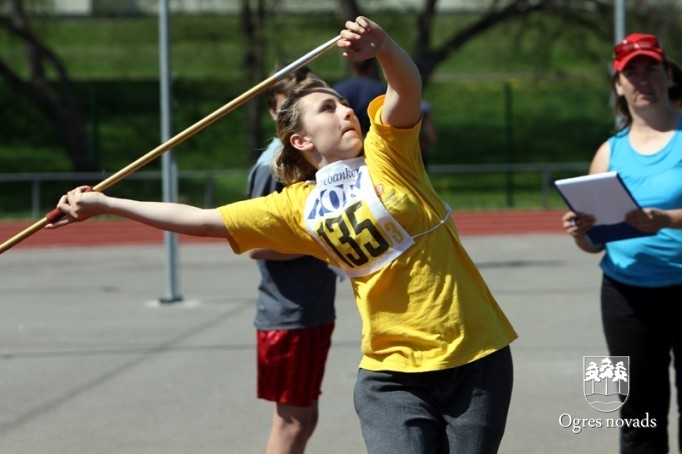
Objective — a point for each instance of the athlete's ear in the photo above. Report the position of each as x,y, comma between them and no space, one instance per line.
301,142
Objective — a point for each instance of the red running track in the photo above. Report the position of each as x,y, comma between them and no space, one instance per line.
124,232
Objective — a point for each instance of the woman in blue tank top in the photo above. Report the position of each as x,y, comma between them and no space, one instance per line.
642,277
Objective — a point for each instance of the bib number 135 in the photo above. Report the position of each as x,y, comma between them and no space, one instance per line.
353,235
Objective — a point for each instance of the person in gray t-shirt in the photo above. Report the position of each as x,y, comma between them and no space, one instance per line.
295,313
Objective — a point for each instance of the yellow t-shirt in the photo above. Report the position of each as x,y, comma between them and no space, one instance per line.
429,309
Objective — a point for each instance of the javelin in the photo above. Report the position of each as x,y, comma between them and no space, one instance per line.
55,214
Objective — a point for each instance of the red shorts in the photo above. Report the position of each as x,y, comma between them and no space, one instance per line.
291,364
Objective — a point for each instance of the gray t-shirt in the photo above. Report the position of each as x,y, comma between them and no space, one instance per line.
295,293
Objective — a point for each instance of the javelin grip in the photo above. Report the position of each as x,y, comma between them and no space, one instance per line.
55,214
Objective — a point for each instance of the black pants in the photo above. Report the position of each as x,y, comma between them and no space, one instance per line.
644,324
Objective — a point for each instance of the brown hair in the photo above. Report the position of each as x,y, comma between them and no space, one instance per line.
621,106
675,91
285,84
290,166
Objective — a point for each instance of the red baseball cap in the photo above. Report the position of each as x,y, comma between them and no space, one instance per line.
635,45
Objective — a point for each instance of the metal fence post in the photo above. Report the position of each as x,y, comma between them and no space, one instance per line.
35,198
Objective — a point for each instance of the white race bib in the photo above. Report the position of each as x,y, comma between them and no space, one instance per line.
347,218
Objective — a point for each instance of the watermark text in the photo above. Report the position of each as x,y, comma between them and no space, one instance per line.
578,424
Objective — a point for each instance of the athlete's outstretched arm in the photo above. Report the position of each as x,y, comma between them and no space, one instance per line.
81,204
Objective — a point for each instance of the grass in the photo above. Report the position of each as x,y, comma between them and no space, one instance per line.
511,95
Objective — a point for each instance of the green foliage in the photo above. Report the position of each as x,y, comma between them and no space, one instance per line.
126,118
551,120
513,94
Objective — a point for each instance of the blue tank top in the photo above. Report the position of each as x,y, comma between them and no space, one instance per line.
654,181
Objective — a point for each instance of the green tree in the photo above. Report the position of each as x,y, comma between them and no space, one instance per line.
46,83
253,24
428,55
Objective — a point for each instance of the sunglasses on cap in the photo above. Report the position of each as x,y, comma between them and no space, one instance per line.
634,45
643,42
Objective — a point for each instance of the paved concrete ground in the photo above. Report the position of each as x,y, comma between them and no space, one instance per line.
90,363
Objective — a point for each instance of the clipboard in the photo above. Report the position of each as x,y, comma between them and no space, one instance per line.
605,196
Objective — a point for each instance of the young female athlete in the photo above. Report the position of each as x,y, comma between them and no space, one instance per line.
436,372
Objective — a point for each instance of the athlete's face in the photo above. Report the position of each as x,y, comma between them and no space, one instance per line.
330,126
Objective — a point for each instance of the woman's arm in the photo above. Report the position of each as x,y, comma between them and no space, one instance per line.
601,159
652,220
363,39
577,224
81,204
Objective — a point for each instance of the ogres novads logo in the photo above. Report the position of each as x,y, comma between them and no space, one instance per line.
606,381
